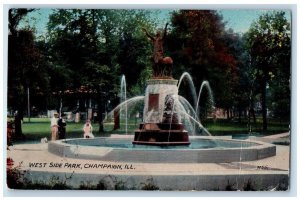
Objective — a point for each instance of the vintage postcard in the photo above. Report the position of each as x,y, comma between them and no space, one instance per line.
141,99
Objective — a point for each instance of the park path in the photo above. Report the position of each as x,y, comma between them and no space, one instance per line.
276,136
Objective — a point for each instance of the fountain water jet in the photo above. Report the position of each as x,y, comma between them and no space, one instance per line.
183,107
196,100
188,108
129,103
123,98
192,88
204,84
192,121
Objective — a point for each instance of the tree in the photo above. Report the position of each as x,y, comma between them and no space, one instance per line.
242,88
87,64
105,44
25,67
197,45
268,41
14,18
135,49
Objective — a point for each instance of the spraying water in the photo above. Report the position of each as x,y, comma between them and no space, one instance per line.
129,103
183,107
192,88
204,84
123,99
190,121
188,109
195,110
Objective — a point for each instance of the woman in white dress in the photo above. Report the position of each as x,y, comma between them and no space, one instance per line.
54,127
88,130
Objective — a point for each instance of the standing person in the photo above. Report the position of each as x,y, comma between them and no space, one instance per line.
54,127
88,129
61,128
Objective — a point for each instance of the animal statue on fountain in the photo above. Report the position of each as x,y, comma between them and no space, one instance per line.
162,67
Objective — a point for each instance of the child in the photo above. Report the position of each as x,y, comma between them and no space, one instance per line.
88,129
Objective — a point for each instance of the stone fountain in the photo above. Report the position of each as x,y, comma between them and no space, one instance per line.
161,122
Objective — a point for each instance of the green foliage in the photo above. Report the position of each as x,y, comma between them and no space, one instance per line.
27,67
14,18
198,45
22,52
104,43
269,45
83,47
93,48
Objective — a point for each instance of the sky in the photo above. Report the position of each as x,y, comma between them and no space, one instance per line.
237,19
241,20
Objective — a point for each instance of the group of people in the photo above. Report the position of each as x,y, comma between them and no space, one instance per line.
58,128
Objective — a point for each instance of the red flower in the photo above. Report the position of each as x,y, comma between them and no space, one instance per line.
10,163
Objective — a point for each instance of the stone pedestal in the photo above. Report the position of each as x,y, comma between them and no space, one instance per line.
161,122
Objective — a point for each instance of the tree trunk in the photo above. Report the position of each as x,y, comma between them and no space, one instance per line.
251,113
18,124
228,114
100,112
264,105
116,119
240,115
245,113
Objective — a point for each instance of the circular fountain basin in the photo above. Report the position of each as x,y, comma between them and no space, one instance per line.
201,150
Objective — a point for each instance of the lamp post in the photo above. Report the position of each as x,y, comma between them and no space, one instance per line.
28,104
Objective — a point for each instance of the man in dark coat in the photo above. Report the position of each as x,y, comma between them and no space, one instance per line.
61,128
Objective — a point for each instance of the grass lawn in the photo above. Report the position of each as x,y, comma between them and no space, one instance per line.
39,128
229,127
